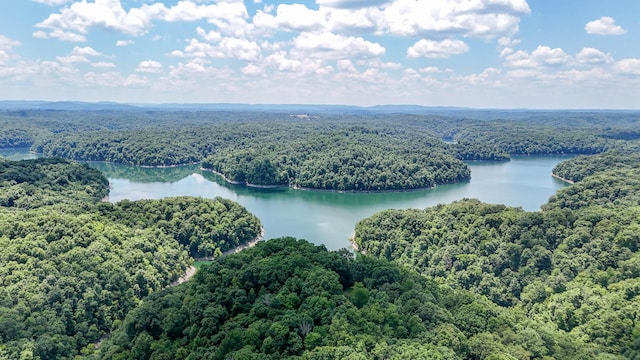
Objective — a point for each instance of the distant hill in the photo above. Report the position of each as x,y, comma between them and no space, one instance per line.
459,112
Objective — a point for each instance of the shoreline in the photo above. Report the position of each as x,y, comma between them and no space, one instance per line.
354,246
244,183
191,270
301,188
563,179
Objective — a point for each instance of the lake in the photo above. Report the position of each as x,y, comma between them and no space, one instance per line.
329,217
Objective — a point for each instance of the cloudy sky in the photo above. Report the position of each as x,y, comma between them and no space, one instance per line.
474,53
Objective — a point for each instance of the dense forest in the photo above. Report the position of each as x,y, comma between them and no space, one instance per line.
354,152
288,299
84,278
573,265
71,266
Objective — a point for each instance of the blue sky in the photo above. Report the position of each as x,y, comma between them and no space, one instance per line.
580,54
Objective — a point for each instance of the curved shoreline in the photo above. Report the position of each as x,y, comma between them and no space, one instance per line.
191,270
301,188
563,179
244,182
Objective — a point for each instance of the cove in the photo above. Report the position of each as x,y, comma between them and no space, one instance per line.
329,217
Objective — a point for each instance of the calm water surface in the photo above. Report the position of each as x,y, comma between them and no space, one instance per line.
329,217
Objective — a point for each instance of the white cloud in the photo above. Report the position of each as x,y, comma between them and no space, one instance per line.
604,26
60,34
124,42
280,61
591,56
350,4
300,18
437,49
548,56
103,65
628,66
7,43
238,49
541,56
377,63
72,23
331,46
228,47
252,70
430,70
211,36
508,42
52,2
78,55
149,66
346,65
592,75
442,18
85,51
483,18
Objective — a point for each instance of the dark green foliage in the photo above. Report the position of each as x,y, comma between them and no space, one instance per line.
205,227
287,298
348,159
580,167
30,184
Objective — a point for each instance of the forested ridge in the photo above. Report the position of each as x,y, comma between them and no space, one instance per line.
289,299
354,152
574,265
71,266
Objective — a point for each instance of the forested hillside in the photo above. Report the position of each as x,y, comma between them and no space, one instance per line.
574,265
71,267
355,152
289,299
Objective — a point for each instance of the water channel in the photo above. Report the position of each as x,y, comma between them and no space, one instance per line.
329,217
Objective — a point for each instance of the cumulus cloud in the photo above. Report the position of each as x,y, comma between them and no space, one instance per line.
103,65
332,46
604,26
85,51
72,23
437,49
480,18
628,66
541,56
252,70
6,47
483,18
78,55
149,66
298,17
350,4
7,43
211,36
238,49
124,42
227,47
591,56
52,2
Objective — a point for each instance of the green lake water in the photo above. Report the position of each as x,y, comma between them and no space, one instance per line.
329,217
